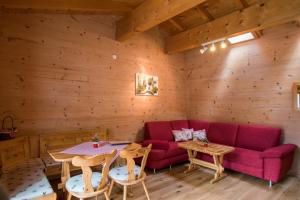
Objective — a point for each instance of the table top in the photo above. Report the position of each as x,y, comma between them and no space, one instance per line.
211,149
83,149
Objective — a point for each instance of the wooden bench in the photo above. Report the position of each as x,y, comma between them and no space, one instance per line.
22,176
63,140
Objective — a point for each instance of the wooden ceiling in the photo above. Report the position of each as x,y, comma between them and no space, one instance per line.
187,23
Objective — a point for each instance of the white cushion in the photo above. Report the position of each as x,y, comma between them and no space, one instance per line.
180,135
199,135
26,184
75,183
121,173
188,132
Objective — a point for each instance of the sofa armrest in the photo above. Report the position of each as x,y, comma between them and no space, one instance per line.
279,151
157,144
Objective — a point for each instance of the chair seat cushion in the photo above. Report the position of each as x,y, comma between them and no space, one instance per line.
121,173
26,184
75,183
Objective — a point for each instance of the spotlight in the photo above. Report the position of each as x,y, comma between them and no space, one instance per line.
223,45
212,48
203,50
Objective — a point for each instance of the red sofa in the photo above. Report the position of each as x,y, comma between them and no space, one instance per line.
258,151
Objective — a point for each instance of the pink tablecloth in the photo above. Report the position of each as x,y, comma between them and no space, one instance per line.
87,149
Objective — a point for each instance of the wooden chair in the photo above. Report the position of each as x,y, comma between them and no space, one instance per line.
131,174
90,184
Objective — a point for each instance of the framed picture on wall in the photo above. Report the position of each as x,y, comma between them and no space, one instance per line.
296,96
146,85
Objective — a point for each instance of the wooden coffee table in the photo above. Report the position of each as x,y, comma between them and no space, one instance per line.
217,151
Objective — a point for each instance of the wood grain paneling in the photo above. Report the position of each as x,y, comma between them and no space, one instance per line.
57,74
249,83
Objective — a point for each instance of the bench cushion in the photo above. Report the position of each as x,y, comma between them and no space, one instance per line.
26,183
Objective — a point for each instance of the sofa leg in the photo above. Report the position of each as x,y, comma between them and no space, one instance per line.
154,171
270,184
170,167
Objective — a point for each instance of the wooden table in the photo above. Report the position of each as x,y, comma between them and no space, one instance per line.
217,151
65,156
65,159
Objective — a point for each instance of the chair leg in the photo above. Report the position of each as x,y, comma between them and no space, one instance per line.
111,187
146,191
106,195
125,192
69,196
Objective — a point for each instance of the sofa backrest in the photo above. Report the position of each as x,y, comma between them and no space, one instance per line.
159,130
222,133
179,124
257,137
199,125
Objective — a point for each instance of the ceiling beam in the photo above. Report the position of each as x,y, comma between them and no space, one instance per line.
67,6
151,13
176,24
256,17
202,9
243,3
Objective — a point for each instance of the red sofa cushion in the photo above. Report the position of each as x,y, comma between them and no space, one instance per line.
222,133
179,124
175,150
157,144
257,138
160,130
245,157
156,154
199,125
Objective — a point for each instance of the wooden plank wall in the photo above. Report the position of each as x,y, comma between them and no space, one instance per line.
57,73
249,83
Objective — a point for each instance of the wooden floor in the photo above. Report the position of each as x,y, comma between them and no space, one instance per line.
175,185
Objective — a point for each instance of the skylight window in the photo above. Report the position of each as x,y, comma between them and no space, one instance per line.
241,38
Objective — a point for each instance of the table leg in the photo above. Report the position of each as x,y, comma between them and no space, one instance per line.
65,175
191,154
219,172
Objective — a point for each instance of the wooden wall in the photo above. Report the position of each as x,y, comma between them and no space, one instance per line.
249,83
57,73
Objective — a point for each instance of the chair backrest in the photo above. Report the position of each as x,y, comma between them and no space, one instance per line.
14,152
86,162
63,140
132,152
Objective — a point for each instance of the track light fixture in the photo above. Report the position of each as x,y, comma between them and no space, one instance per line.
203,50
223,44
212,47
